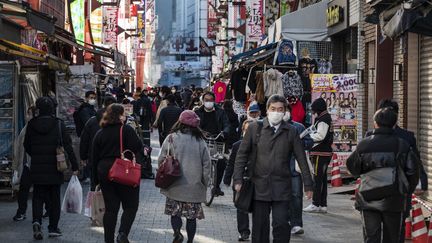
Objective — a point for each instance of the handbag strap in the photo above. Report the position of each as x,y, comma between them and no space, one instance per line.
170,145
121,139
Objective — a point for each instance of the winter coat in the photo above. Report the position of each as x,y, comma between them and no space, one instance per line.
233,135
273,83
21,158
86,112
89,132
307,144
143,110
195,164
168,117
106,148
380,150
229,170
186,96
41,141
323,137
221,119
163,104
271,173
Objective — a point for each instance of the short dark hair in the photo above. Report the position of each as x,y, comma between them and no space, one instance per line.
389,103
165,90
90,92
171,98
109,100
209,93
386,117
275,99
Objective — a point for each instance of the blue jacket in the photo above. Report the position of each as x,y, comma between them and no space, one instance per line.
307,144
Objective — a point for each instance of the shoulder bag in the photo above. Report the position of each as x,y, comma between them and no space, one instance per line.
124,171
62,164
169,170
243,200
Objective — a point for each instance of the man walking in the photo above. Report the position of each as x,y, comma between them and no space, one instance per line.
85,111
270,153
213,122
376,160
143,111
168,116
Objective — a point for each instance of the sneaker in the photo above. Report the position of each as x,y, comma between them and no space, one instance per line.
19,217
54,233
244,236
323,209
122,238
297,230
311,209
37,233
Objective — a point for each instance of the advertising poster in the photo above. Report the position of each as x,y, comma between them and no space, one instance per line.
211,20
183,65
77,11
96,26
340,91
218,60
288,6
110,25
255,20
272,11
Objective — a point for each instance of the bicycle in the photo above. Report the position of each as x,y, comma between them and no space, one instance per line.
216,150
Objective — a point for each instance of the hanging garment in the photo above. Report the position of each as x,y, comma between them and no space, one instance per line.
307,66
259,94
297,112
238,84
292,85
273,83
219,90
324,66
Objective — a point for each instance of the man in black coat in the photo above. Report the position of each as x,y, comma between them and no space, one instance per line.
213,121
143,111
86,110
86,139
384,152
45,133
168,116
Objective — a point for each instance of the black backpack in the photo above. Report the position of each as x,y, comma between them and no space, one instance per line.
79,125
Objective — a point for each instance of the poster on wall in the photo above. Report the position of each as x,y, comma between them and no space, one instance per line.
109,25
212,20
272,11
340,91
255,20
77,16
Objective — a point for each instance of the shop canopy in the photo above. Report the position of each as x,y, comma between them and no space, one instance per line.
253,51
306,24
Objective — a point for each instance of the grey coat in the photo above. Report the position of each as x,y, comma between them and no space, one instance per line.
271,173
194,159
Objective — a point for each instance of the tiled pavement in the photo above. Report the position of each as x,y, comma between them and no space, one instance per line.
342,224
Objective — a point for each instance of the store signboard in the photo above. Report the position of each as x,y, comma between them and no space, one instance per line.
218,60
180,45
337,16
109,28
212,19
255,20
183,65
340,91
96,26
78,20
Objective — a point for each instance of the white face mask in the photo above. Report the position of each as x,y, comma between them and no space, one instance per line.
287,116
173,91
252,118
92,102
160,94
209,105
275,117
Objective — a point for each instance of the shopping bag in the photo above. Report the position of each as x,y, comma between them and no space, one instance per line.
88,204
97,207
72,201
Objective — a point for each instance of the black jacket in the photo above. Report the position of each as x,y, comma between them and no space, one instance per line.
186,96
86,112
168,117
410,138
377,151
143,110
106,148
229,170
324,144
87,135
41,141
223,123
233,135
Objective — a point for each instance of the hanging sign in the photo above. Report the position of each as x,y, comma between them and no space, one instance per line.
255,20
212,19
110,25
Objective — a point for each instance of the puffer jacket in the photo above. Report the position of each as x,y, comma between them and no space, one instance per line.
273,83
40,142
380,150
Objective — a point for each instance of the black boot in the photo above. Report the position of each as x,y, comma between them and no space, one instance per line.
178,237
122,238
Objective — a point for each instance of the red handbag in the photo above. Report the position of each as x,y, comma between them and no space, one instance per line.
124,171
169,170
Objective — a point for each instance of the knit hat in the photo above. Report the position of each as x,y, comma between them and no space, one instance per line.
45,105
189,118
254,107
319,105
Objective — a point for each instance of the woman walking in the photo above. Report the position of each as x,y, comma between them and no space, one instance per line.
106,148
185,195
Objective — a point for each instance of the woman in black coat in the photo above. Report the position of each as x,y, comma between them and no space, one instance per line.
44,134
106,148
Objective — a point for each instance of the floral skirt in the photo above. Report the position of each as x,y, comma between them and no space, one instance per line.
184,209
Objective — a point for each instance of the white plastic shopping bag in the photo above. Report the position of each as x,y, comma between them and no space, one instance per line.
97,207
88,204
72,201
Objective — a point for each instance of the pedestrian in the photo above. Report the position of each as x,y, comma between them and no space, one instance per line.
233,135
196,100
185,195
85,111
44,134
186,96
267,145
168,117
164,92
321,155
242,217
21,167
106,147
253,113
296,179
214,122
144,112
89,132
376,159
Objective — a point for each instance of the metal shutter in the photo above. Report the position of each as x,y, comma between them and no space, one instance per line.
398,85
425,114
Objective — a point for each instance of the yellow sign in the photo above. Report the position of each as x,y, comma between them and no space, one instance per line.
335,15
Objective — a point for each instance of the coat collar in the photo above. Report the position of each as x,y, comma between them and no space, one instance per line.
383,130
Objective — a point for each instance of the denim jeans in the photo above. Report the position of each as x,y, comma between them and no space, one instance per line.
297,201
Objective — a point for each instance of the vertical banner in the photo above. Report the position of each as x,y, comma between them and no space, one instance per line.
254,22
211,20
272,11
78,20
288,6
96,26
340,93
110,25
218,60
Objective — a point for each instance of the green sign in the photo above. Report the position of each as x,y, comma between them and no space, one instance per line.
78,20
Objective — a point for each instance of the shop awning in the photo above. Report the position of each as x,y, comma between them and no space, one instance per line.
306,24
72,42
252,52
